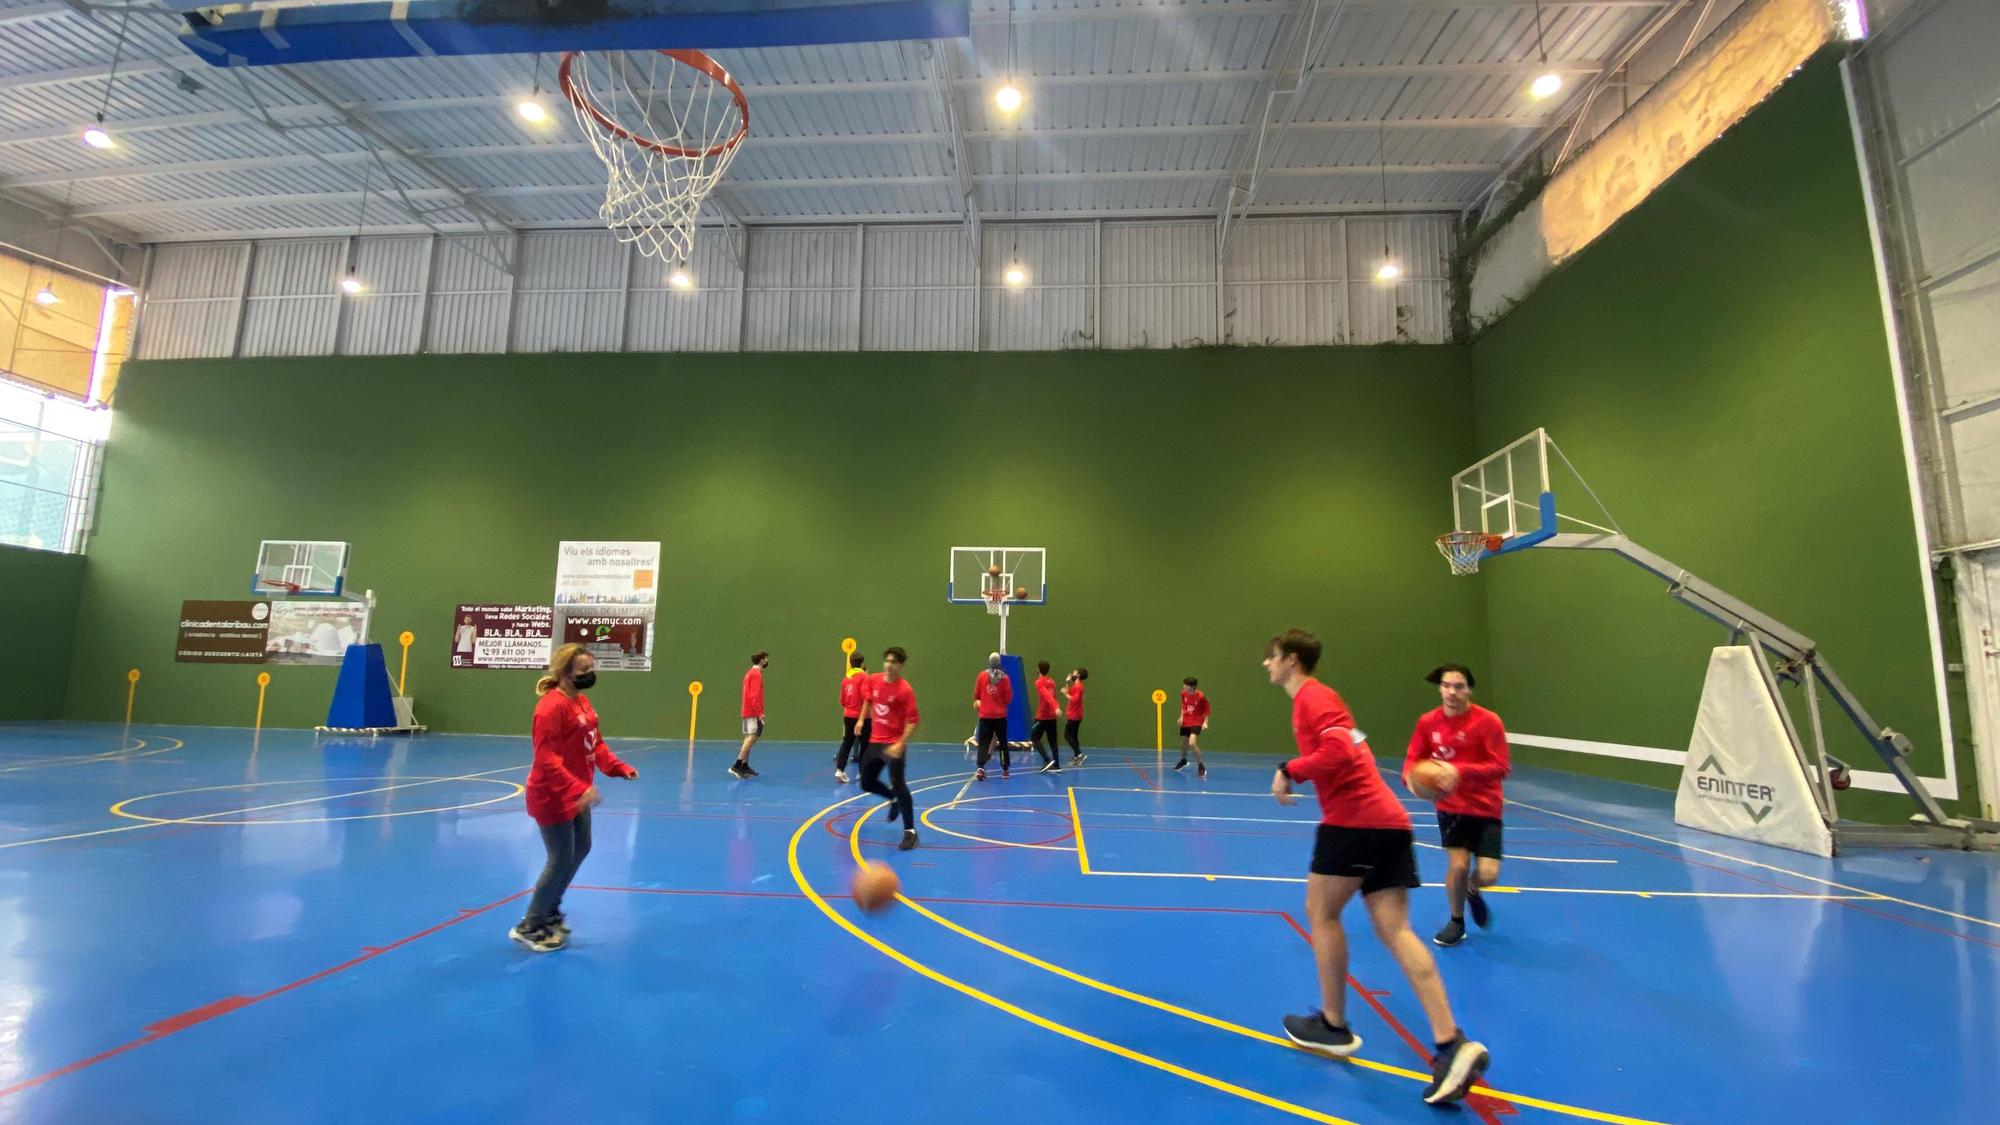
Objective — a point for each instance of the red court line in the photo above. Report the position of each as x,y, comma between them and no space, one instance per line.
175,1024
1488,1109
1143,775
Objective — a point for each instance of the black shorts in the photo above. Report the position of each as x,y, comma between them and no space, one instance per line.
1479,835
1380,857
1190,732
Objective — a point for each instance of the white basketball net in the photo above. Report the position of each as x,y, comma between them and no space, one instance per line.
666,124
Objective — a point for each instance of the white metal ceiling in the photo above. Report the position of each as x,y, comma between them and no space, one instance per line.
1135,108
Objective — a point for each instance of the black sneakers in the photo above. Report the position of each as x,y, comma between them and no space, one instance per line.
740,771
1452,934
1312,1032
1053,765
909,840
1455,1070
545,940
1180,765
1482,914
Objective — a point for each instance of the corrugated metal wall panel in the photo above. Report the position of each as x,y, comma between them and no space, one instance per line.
388,318
472,297
706,318
801,295
1288,284
294,302
1159,285
919,293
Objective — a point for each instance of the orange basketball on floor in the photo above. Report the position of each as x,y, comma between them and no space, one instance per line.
875,887
1431,779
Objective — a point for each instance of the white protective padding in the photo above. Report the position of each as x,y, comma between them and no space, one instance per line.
1743,776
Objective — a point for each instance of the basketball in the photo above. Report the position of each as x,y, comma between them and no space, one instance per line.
875,887
1431,779
1020,593
994,570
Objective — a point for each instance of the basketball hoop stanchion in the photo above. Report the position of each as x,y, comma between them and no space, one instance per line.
665,124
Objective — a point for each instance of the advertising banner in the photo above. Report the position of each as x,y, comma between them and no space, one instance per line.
231,632
501,636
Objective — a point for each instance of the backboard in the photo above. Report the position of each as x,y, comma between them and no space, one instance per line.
283,32
971,574
299,568
1509,494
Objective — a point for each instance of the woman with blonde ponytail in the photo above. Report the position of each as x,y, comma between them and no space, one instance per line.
562,789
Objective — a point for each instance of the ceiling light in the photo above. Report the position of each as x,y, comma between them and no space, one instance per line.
97,137
1015,276
1388,270
531,111
680,279
351,284
1547,85
47,296
1008,98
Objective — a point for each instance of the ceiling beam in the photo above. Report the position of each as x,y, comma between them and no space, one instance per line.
941,67
1181,9
1305,39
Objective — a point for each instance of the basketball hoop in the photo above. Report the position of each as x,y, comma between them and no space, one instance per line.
279,586
996,600
666,124
1463,549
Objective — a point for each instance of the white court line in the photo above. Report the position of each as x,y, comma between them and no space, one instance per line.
1314,823
1506,890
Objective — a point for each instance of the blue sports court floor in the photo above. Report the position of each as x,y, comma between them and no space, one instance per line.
194,926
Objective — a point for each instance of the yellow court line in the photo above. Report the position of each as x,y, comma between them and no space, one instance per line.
1076,832
1765,866
854,846
798,876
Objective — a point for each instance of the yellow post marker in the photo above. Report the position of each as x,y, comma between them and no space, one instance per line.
263,681
131,690
694,708
1159,731
847,647
403,677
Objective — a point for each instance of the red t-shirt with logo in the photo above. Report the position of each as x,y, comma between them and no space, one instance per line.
892,708
853,693
1045,698
993,691
753,693
1473,743
1334,757
1194,708
1075,700
568,752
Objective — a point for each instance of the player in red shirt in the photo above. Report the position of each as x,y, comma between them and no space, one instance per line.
1045,720
854,724
753,713
992,691
892,719
561,791
1364,845
1194,720
1072,692
1471,740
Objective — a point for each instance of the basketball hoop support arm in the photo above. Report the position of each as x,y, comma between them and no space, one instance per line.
1798,659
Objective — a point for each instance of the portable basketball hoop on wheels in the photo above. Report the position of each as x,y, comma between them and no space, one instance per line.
1505,504
665,124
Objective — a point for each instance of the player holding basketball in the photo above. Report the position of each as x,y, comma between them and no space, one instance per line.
753,713
1471,740
992,692
892,721
854,724
1045,720
1194,720
1364,845
1073,712
560,789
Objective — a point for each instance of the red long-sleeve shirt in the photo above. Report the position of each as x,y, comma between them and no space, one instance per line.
853,695
753,693
1475,744
993,691
1335,758
1045,698
568,754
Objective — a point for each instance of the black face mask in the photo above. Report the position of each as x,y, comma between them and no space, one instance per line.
586,681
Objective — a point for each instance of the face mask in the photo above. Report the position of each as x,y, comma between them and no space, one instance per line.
586,681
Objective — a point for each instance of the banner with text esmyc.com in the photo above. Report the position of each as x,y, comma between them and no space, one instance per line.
606,591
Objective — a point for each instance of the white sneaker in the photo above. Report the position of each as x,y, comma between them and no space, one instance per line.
548,941
840,776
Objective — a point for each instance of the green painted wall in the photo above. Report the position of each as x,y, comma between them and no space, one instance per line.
1194,502
1717,369
38,618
